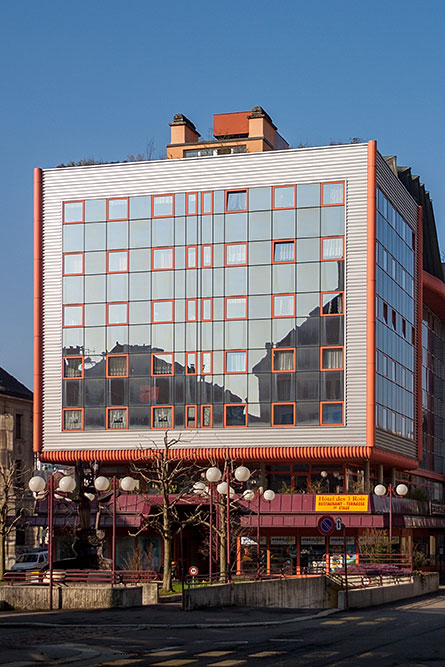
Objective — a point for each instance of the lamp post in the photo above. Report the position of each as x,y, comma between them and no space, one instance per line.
42,487
213,476
249,495
102,484
398,492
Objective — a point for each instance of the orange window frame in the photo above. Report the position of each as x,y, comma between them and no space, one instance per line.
207,319
168,268
206,192
163,354
272,421
73,430
108,209
163,301
332,183
187,265
201,423
109,252
187,196
201,365
342,403
244,243
292,294
116,324
154,407
238,405
74,201
73,356
187,301
110,356
333,347
226,197
170,215
283,349
207,266
283,208
186,417
187,363
66,254
226,352
288,261
73,305
332,314
116,407
331,259
232,319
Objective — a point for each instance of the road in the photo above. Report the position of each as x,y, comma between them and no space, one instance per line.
408,634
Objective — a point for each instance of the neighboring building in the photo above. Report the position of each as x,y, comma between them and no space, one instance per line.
264,303
16,446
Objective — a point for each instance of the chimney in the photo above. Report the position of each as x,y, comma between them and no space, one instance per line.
183,131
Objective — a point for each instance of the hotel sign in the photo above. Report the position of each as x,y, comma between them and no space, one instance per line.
341,503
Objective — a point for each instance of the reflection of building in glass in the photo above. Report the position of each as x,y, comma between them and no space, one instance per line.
269,299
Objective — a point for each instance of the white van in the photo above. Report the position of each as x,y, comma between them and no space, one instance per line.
31,560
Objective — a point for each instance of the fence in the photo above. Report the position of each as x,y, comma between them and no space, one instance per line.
82,577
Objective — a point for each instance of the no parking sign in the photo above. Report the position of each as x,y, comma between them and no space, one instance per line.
326,525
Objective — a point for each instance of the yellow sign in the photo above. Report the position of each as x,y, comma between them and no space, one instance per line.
339,503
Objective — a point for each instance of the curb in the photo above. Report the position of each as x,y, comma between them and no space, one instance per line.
171,626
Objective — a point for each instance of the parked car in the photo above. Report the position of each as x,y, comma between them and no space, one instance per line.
31,560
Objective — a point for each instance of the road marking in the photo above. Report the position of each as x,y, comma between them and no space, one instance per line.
332,622
124,661
368,623
286,640
352,618
386,618
374,654
213,654
319,654
227,663
165,652
173,663
265,654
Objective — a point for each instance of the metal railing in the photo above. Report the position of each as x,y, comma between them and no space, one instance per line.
67,577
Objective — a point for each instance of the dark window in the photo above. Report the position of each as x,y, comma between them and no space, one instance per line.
283,414
18,426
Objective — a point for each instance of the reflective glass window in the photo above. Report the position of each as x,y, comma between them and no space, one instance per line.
73,289
283,360
162,364
308,250
283,305
333,221
307,413
73,211
283,224
332,413
235,415
73,367
283,414
140,231
260,199
207,255
236,362
162,417
140,207
192,203
308,222
73,238
332,303
308,359
307,386
162,232
308,331
236,308
139,286
331,358
117,313
117,261
207,202
332,248
117,365
162,311
95,236
284,196
118,209
162,206
235,281
72,420
284,251
283,277
139,260
117,418
260,226
308,277
95,314
73,316
308,305
260,281
94,392
73,264
117,235
95,210
95,262
308,195
117,287
332,276
163,258
236,200
332,193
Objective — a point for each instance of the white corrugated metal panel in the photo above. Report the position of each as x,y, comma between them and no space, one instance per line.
330,163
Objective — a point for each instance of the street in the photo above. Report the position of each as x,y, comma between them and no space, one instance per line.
409,634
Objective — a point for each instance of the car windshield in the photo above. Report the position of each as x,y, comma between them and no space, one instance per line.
27,558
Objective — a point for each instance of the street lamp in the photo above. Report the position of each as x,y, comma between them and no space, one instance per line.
213,476
399,491
102,484
41,487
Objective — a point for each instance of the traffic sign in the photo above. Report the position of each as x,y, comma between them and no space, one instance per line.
366,581
338,524
326,525
193,570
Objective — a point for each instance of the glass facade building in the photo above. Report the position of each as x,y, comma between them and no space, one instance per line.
211,309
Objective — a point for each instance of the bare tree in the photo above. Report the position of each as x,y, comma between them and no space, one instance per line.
146,156
12,491
171,480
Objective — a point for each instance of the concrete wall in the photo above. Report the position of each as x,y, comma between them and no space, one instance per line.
36,598
370,597
308,593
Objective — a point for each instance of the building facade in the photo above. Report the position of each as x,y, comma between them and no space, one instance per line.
262,304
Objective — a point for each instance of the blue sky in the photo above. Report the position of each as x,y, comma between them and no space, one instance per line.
101,78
